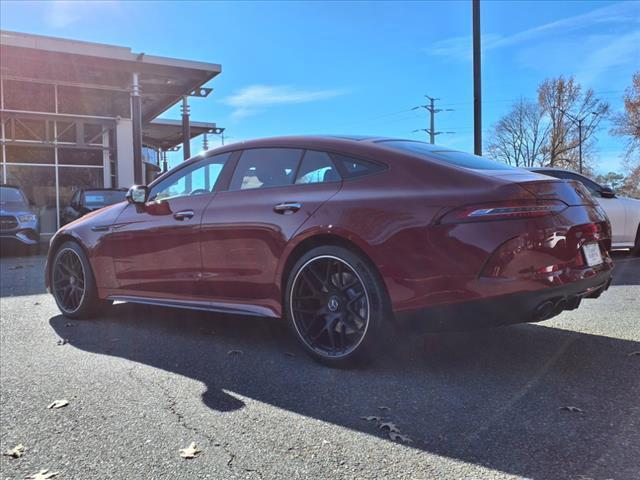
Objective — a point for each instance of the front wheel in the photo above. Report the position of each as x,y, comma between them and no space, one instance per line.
73,284
336,305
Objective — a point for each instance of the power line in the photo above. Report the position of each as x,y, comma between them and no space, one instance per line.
431,108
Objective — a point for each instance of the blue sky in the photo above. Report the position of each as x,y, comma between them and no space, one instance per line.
359,67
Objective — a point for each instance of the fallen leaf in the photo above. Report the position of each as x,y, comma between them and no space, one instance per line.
36,303
289,354
62,341
383,408
15,452
43,475
392,427
399,437
371,419
234,352
634,354
192,451
572,409
58,404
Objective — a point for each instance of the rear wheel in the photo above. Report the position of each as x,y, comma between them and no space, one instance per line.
73,284
336,305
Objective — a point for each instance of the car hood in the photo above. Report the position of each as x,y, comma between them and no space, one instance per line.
14,208
103,216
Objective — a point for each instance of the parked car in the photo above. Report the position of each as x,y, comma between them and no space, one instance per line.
394,233
18,219
88,200
623,213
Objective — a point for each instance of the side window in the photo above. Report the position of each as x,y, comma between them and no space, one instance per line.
354,167
317,167
198,179
265,167
591,186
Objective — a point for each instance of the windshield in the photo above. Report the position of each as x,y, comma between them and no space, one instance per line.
11,195
102,198
461,159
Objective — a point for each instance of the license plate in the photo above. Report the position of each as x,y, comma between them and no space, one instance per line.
592,254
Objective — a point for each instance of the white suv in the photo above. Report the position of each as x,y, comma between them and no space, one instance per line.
623,213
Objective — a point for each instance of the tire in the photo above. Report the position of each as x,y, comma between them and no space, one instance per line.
76,297
635,251
337,306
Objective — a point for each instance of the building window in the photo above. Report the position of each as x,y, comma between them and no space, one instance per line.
38,182
80,156
28,96
23,154
93,101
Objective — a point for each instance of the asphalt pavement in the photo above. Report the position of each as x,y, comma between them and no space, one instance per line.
144,382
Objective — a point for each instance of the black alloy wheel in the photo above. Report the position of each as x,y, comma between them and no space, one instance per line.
330,306
69,280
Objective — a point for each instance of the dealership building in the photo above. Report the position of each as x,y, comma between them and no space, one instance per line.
80,115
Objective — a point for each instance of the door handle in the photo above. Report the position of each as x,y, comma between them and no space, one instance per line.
183,215
287,207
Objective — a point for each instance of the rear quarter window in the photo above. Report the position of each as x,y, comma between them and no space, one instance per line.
355,167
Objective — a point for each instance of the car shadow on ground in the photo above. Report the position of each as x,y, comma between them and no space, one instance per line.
490,397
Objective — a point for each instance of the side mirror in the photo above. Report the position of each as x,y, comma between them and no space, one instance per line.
138,194
607,192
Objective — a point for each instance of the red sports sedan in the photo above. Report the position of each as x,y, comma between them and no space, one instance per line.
342,236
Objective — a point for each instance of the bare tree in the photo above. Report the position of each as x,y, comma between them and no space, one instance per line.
557,98
627,123
520,137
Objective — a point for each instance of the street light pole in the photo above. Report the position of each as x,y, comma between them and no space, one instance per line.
477,79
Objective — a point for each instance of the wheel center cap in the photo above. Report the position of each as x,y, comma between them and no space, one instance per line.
72,280
333,304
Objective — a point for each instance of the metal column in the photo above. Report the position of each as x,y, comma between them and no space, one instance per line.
136,117
186,129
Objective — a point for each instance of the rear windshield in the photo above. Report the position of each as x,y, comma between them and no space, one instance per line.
11,195
461,159
102,198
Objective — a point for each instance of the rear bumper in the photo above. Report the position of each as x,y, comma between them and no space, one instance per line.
522,307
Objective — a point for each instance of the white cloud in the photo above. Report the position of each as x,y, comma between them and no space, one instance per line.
617,51
255,98
460,48
62,13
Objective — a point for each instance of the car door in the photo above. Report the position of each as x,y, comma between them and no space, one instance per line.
156,247
245,228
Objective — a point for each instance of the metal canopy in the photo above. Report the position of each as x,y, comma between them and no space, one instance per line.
166,134
163,81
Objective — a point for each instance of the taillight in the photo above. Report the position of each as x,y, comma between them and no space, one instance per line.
504,211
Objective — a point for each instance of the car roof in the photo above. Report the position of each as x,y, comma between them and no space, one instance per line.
6,185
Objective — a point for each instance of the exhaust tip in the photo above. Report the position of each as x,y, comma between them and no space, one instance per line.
544,310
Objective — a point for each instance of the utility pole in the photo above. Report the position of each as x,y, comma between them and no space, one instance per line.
579,121
477,78
431,108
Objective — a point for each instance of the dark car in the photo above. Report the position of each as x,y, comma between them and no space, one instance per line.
344,237
88,200
18,220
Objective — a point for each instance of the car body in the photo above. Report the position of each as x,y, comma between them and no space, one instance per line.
285,227
18,220
87,200
623,213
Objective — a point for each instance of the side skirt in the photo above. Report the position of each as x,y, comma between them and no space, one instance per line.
229,308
